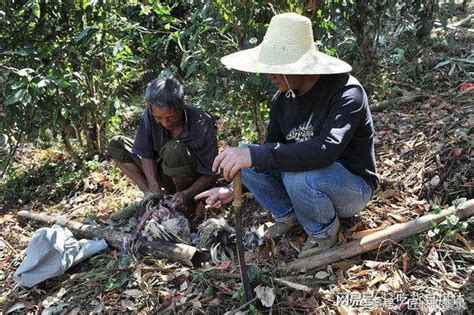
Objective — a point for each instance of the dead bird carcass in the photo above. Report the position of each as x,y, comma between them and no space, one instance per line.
162,221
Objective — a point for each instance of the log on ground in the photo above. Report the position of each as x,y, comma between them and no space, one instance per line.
373,241
185,254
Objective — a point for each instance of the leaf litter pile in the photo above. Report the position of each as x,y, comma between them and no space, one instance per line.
423,157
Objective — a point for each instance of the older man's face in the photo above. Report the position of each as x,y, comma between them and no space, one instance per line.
169,118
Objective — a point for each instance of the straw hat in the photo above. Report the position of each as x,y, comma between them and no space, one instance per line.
287,48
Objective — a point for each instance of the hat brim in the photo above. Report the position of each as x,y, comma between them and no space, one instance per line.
312,62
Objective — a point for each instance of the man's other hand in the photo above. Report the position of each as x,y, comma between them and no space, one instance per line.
231,160
156,190
216,197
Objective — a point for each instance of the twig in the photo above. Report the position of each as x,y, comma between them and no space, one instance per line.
9,246
241,308
71,212
296,286
221,275
301,287
10,156
390,241
463,21
407,98
12,153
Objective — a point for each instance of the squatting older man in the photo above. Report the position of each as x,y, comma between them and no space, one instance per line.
173,151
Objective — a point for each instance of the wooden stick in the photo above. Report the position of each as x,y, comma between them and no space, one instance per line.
237,182
296,286
233,312
378,107
371,242
185,254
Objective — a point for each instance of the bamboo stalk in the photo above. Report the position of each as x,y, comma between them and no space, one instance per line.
373,241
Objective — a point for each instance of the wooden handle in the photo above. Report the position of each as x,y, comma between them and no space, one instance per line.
237,182
244,274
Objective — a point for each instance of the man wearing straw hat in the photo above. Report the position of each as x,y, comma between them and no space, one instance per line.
317,163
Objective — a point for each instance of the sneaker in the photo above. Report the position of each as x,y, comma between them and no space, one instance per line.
315,245
280,228
127,212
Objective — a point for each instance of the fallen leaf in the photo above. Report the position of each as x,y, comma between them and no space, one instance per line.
374,264
397,217
385,194
127,304
6,217
312,302
321,275
344,310
355,268
215,301
225,265
396,282
453,284
435,180
16,307
379,278
344,265
266,295
465,242
363,273
183,286
405,262
182,301
433,260
457,152
133,293
55,309
355,284
99,308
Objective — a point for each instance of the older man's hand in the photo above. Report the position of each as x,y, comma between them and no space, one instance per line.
231,160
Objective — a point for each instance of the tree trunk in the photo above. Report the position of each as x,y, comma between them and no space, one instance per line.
426,20
65,134
260,128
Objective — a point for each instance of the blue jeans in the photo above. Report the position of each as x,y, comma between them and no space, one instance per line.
317,199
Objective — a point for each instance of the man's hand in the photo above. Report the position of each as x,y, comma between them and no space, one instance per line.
216,197
231,160
178,202
156,190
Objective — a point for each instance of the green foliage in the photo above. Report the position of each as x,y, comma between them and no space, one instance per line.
66,68
416,246
69,70
257,275
46,178
447,229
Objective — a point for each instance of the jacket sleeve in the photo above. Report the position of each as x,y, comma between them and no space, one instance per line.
345,113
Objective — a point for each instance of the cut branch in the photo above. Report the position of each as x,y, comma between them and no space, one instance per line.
373,241
185,254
